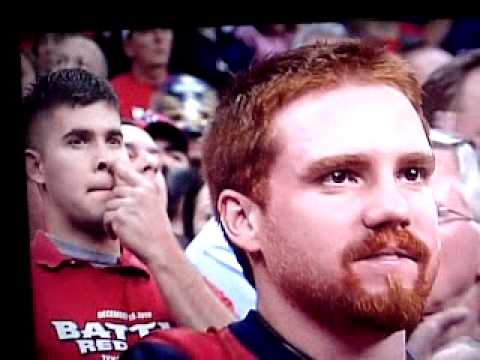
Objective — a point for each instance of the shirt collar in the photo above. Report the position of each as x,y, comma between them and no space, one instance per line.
44,252
255,333
261,339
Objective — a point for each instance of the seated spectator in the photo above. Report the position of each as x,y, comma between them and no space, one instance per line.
329,204
45,51
267,39
28,72
211,54
149,51
214,258
425,60
197,209
78,51
452,315
309,33
142,150
452,97
190,103
383,32
172,144
179,182
107,262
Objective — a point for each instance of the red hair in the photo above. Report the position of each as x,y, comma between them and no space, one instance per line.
239,148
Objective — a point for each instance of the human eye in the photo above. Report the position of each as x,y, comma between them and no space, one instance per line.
76,141
414,174
338,177
115,140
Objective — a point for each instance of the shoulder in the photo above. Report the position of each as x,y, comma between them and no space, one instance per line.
153,350
183,343
121,79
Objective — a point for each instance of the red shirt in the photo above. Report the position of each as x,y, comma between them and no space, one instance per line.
182,343
87,312
131,93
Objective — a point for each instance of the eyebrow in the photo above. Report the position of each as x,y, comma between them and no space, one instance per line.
78,132
424,159
361,162
87,132
115,132
330,163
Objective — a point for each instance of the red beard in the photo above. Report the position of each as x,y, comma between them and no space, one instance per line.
330,300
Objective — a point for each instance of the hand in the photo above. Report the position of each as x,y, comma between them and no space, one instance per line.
426,338
463,348
137,215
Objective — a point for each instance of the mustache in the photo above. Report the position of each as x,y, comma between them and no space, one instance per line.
400,240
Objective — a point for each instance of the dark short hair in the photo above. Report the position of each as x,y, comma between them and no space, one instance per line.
442,87
177,139
66,87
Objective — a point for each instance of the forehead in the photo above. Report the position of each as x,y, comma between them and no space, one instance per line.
350,119
77,46
133,135
142,34
99,116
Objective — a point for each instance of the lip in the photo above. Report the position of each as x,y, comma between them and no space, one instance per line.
389,253
100,188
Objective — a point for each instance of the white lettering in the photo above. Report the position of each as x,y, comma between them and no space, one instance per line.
110,357
104,345
112,314
120,345
86,346
120,330
95,329
66,330
164,325
143,329
144,315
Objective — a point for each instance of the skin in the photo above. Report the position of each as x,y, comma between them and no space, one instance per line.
170,158
28,73
47,49
142,150
150,53
83,53
320,203
95,197
460,256
453,306
71,163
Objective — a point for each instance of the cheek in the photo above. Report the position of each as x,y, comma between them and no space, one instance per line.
424,220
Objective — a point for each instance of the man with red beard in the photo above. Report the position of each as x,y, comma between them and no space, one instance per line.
318,163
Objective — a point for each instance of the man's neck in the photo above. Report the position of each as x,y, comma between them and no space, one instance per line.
97,241
322,342
155,74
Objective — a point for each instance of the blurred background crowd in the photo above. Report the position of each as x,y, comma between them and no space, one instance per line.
169,80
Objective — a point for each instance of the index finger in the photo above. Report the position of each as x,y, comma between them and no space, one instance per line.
125,174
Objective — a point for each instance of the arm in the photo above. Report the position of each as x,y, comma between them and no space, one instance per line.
137,216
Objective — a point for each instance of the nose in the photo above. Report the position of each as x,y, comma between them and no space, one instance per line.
147,164
104,158
388,207
160,35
